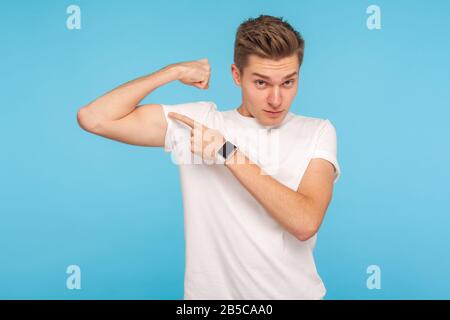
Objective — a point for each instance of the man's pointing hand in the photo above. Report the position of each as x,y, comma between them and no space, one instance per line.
205,142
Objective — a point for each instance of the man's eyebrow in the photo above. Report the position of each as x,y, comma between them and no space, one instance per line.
268,78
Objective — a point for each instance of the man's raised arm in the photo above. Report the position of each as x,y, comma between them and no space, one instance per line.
116,115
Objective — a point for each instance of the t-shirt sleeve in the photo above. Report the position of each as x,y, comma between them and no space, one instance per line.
326,147
177,131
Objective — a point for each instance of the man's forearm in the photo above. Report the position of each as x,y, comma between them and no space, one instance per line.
122,100
291,209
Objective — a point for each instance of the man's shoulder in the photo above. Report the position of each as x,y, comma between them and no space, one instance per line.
203,108
205,105
196,110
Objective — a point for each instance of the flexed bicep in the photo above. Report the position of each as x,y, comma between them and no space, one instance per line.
144,126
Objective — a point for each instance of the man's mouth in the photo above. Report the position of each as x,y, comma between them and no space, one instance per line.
273,113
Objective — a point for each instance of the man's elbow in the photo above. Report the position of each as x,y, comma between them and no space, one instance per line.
307,230
87,120
306,234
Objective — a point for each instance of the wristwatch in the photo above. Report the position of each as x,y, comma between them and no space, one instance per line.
227,150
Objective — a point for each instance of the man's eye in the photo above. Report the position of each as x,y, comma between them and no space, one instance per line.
289,83
261,83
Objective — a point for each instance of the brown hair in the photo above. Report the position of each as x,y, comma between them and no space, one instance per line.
267,37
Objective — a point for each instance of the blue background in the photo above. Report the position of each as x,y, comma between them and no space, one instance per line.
69,197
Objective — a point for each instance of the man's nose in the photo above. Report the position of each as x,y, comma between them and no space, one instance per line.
275,97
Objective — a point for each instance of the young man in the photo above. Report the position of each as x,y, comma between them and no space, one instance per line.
251,217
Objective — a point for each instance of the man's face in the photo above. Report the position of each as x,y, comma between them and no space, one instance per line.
268,88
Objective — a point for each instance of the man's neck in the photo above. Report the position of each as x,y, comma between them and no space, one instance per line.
243,111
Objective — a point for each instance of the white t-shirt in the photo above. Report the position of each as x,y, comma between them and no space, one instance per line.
234,248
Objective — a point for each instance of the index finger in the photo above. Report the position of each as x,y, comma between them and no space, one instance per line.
182,118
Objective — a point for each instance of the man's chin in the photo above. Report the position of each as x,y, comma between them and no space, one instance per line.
268,121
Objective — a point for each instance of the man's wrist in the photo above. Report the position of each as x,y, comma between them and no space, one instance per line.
225,151
231,159
174,70
162,76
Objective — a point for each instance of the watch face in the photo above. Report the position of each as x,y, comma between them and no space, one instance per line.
227,148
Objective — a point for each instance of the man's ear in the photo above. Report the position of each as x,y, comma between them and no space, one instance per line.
236,74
